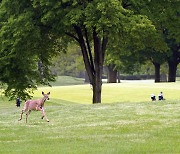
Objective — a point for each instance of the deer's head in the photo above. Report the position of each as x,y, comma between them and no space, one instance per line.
46,96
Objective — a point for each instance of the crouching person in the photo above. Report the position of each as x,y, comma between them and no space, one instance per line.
153,97
160,96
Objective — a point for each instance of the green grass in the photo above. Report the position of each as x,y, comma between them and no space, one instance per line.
136,91
67,80
126,121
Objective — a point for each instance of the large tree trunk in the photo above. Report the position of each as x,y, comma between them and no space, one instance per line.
119,80
172,71
98,62
173,61
112,74
94,67
97,87
157,71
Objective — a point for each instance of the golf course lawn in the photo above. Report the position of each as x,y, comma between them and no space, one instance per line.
126,121
127,91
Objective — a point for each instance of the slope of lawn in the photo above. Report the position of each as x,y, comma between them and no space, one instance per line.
127,91
126,121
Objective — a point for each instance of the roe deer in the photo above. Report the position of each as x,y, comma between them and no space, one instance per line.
37,105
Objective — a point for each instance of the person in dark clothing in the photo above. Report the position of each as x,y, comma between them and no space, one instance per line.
153,97
18,102
160,96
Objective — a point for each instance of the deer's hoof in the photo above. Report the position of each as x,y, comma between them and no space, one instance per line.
47,120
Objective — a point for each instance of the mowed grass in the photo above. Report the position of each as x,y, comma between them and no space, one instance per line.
126,121
127,91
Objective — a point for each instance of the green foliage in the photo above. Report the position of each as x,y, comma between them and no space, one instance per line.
35,27
148,36
165,16
32,32
22,45
69,63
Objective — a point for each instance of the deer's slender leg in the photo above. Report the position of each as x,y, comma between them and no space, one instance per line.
21,115
29,111
44,114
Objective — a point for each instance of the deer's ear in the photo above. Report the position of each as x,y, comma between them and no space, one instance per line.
48,93
42,92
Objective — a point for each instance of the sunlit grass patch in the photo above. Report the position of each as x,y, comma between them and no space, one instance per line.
111,93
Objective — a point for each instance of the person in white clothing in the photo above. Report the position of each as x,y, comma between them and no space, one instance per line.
160,96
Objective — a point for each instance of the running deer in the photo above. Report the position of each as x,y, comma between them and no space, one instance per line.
37,105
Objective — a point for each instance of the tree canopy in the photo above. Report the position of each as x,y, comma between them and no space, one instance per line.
22,44
141,47
32,32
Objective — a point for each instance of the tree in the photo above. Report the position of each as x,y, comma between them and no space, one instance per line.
112,73
165,16
139,43
168,21
90,23
22,44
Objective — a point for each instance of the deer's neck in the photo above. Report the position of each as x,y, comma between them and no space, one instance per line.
42,101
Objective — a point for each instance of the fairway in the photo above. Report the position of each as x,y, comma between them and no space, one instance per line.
127,91
126,121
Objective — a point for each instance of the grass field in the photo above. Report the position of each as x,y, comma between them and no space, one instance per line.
126,121
127,91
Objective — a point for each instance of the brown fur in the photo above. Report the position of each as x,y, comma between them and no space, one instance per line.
37,105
